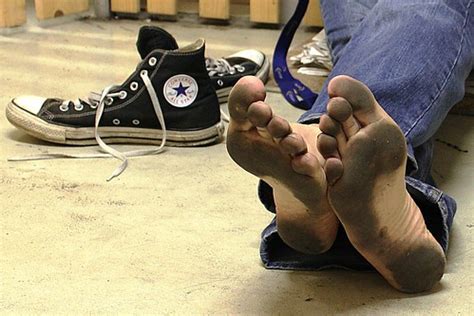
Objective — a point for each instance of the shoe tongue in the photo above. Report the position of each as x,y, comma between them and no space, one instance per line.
153,37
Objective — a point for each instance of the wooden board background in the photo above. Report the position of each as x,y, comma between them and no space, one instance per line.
166,7
12,13
214,9
265,11
47,9
125,6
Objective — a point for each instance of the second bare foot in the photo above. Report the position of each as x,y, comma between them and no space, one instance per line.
366,155
285,156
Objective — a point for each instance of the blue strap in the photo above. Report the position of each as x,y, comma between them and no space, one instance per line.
292,89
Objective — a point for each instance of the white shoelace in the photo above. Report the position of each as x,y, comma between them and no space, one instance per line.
221,66
110,151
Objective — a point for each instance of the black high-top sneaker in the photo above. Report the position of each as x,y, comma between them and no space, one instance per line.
168,98
224,72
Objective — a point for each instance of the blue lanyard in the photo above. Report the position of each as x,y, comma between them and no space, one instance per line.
292,89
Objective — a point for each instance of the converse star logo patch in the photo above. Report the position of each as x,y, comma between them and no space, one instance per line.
180,90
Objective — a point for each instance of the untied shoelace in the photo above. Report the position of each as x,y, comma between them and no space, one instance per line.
221,67
110,151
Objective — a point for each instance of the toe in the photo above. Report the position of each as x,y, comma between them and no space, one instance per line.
333,170
260,114
354,91
340,110
247,91
293,144
361,99
327,146
331,127
278,127
350,127
305,164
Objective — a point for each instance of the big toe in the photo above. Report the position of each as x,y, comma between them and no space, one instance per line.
246,91
364,106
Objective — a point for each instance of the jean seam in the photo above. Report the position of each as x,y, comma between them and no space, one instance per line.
456,60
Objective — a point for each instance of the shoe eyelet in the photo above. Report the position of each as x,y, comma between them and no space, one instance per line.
109,101
136,122
79,107
123,94
116,121
152,61
143,73
220,82
93,106
241,69
134,86
64,107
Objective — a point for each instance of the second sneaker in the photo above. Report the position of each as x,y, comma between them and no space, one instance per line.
226,71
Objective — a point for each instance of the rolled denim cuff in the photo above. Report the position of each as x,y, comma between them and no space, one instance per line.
438,211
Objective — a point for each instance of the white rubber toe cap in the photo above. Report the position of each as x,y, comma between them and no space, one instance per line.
29,103
254,55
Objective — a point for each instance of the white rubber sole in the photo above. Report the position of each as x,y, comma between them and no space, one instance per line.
41,129
262,74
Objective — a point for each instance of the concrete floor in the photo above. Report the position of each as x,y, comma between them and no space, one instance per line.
177,233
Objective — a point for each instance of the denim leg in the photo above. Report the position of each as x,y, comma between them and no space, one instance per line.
341,18
415,57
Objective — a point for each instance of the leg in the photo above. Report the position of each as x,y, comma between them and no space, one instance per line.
285,156
341,19
416,84
415,78
384,224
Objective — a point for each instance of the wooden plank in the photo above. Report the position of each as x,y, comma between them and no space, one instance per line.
125,6
237,7
12,13
166,7
265,11
313,15
214,9
47,9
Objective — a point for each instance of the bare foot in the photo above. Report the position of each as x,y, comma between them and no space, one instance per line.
366,157
286,157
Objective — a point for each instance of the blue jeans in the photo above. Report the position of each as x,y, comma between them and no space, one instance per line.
415,56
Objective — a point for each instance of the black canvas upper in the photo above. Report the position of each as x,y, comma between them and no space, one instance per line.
136,107
151,37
